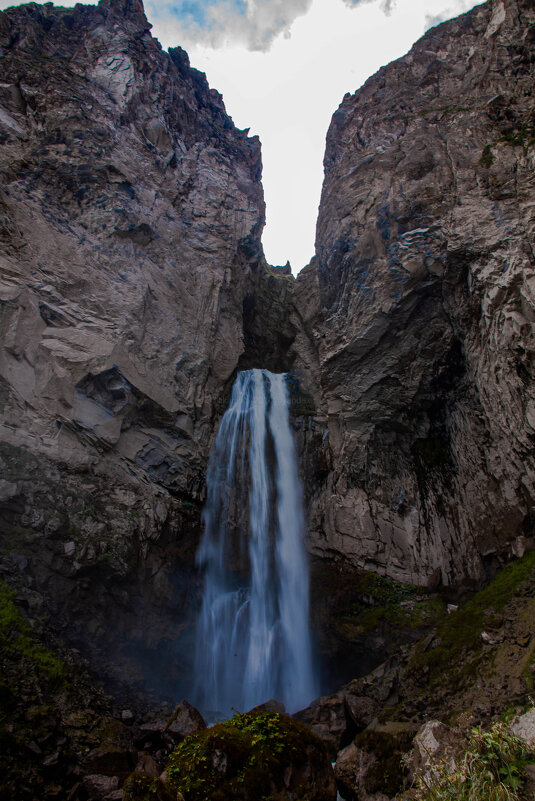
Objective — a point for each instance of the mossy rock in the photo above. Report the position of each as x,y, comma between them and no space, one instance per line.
140,786
452,658
18,640
372,766
258,756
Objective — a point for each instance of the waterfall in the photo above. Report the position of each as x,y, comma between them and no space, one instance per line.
252,638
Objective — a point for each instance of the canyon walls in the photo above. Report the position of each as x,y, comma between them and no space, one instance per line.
131,211
424,286
133,287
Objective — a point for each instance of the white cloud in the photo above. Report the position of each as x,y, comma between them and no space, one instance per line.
222,23
386,6
453,10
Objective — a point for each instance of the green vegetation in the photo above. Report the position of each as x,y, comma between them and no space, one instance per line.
456,648
487,158
17,639
277,273
400,605
492,768
142,787
387,773
522,137
245,757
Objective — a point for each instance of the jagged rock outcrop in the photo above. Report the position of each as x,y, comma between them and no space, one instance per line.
131,210
133,286
425,292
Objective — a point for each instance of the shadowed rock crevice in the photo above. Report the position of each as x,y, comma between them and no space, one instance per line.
424,272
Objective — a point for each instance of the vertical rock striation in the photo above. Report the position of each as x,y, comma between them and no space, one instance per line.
131,211
426,302
133,287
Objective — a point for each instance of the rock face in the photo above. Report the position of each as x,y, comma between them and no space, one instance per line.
425,291
133,287
130,218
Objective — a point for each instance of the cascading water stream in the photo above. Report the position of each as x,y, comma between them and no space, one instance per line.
252,638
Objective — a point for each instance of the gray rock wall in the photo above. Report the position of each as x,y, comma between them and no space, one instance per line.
131,210
133,286
425,285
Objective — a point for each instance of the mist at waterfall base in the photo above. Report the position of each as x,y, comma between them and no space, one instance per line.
252,639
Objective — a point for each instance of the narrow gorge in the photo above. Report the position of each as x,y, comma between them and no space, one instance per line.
134,292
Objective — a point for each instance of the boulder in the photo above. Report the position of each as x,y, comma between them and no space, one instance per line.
372,767
109,760
270,706
327,718
434,742
251,756
98,787
168,732
184,720
524,728
141,786
350,771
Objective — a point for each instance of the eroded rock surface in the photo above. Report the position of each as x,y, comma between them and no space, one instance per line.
133,286
425,292
130,217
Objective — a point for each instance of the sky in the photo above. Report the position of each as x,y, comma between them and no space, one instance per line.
283,67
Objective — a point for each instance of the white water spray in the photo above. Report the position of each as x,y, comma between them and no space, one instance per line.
253,639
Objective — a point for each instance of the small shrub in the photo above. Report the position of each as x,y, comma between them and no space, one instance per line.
487,158
141,787
491,769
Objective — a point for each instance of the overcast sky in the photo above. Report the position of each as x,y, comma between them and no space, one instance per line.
283,67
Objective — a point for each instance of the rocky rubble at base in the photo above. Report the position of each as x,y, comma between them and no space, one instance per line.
428,699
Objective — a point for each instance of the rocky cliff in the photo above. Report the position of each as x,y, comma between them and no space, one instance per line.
133,287
424,288
131,211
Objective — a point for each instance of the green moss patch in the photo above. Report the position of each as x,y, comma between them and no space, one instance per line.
521,137
487,158
248,757
17,639
387,774
386,602
141,787
453,655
